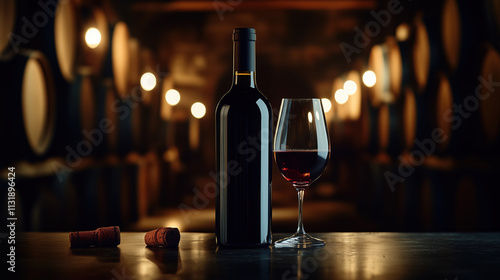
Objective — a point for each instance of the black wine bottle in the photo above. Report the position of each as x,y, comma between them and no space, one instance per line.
243,122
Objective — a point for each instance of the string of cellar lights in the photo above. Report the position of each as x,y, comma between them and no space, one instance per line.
342,95
148,80
350,88
172,96
198,110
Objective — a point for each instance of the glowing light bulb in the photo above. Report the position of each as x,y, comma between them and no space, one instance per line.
327,105
172,97
350,87
341,96
198,110
148,81
403,32
93,37
369,78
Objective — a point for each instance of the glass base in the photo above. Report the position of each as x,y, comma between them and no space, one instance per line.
299,241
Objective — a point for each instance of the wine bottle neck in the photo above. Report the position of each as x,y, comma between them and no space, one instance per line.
244,78
243,56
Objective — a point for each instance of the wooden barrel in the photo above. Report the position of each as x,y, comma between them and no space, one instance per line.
456,115
132,123
415,118
444,103
28,107
114,190
65,193
492,12
340,125
117,63
149,64
443,190
339,110
101,113
111,98
149,175
42,218
129,189
135,61
166,113
79,110
91,194
476,204
489,98
55,206
126,117
466,204
72,21
8,16
463,31
484,184
57,29
414,200
379,64
400,64
384,127
337,119
51,28
462,195
66,38
139,116
131,132
93,56
427,50
382,199
390,129
368,126
153,117
353,104
350,109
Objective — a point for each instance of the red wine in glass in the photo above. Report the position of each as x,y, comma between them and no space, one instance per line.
301,167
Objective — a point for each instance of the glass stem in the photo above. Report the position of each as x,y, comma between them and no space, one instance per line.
300,226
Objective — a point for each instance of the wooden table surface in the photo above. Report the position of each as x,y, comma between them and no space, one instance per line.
346,256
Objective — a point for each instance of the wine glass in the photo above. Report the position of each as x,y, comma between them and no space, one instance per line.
301,150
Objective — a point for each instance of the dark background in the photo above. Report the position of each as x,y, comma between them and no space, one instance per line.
157,170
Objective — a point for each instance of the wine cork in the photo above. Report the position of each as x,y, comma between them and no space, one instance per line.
101,237
164,237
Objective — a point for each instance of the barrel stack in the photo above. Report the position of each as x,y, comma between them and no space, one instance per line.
74,108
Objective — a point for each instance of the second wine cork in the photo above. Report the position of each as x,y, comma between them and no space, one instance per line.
101,237
163,237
